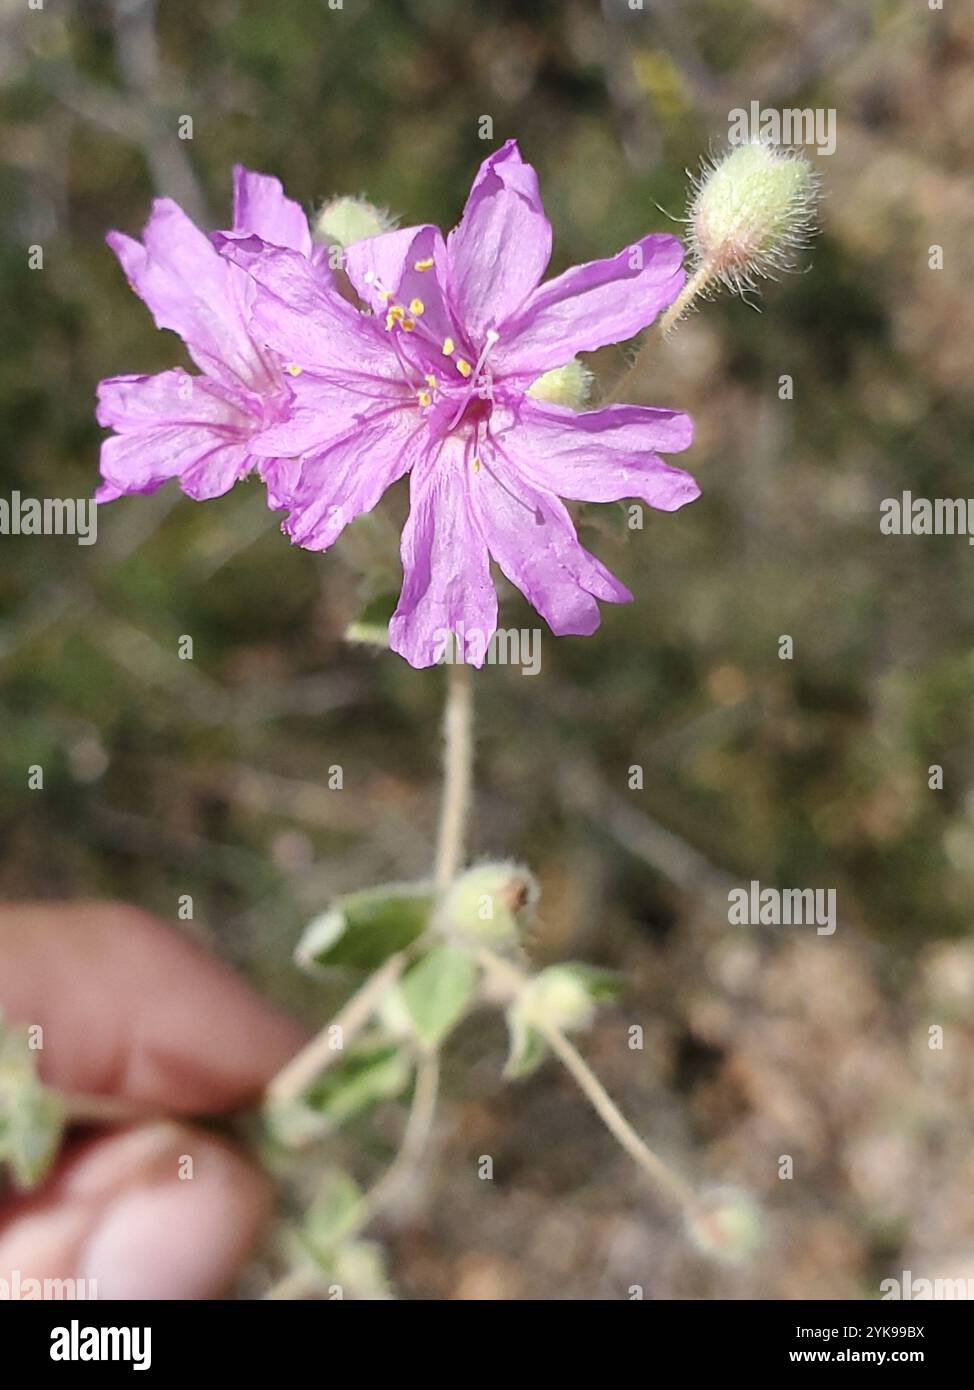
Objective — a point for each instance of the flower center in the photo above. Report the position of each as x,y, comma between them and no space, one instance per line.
482,382
478,379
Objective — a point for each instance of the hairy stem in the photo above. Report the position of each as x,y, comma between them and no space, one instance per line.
320,1053
614,1120
457,774
698,281
419,1126
514,981
306,1281
693,286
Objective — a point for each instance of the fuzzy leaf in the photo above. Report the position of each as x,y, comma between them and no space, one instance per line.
528,1048
374,1070
437,992
31,1116
360,931
332,1214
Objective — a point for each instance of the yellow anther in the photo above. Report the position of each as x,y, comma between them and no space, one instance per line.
431,380
397,312
408,325
448,346
424,397
293,369
385,294
417,307
463,366
423,265
476,465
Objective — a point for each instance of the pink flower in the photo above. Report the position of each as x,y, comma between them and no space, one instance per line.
433,382
199,428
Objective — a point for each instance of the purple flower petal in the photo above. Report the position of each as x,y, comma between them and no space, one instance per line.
206,463
172,425
591,305
303,318
132,403
407,268
322,408
447,586
280,476
600,455
332,405
501,248
260,207
190,288
532,538
349,476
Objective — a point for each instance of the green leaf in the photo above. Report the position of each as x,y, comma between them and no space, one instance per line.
528,1048
374,1070
360,931
437,992
332,1214
32,1117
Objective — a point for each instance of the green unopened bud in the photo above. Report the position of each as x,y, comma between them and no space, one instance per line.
725,1224
490,904
569,385
751,211
563,998
346,220
557,998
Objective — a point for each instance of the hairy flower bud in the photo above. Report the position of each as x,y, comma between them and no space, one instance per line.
725,1224
751,211
568,385
558,998
490,904
343,221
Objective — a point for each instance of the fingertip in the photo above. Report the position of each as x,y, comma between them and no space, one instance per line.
160,1211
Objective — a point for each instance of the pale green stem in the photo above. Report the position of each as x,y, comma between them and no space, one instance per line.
419,1126
515,981
457,774
696,283
321,1052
